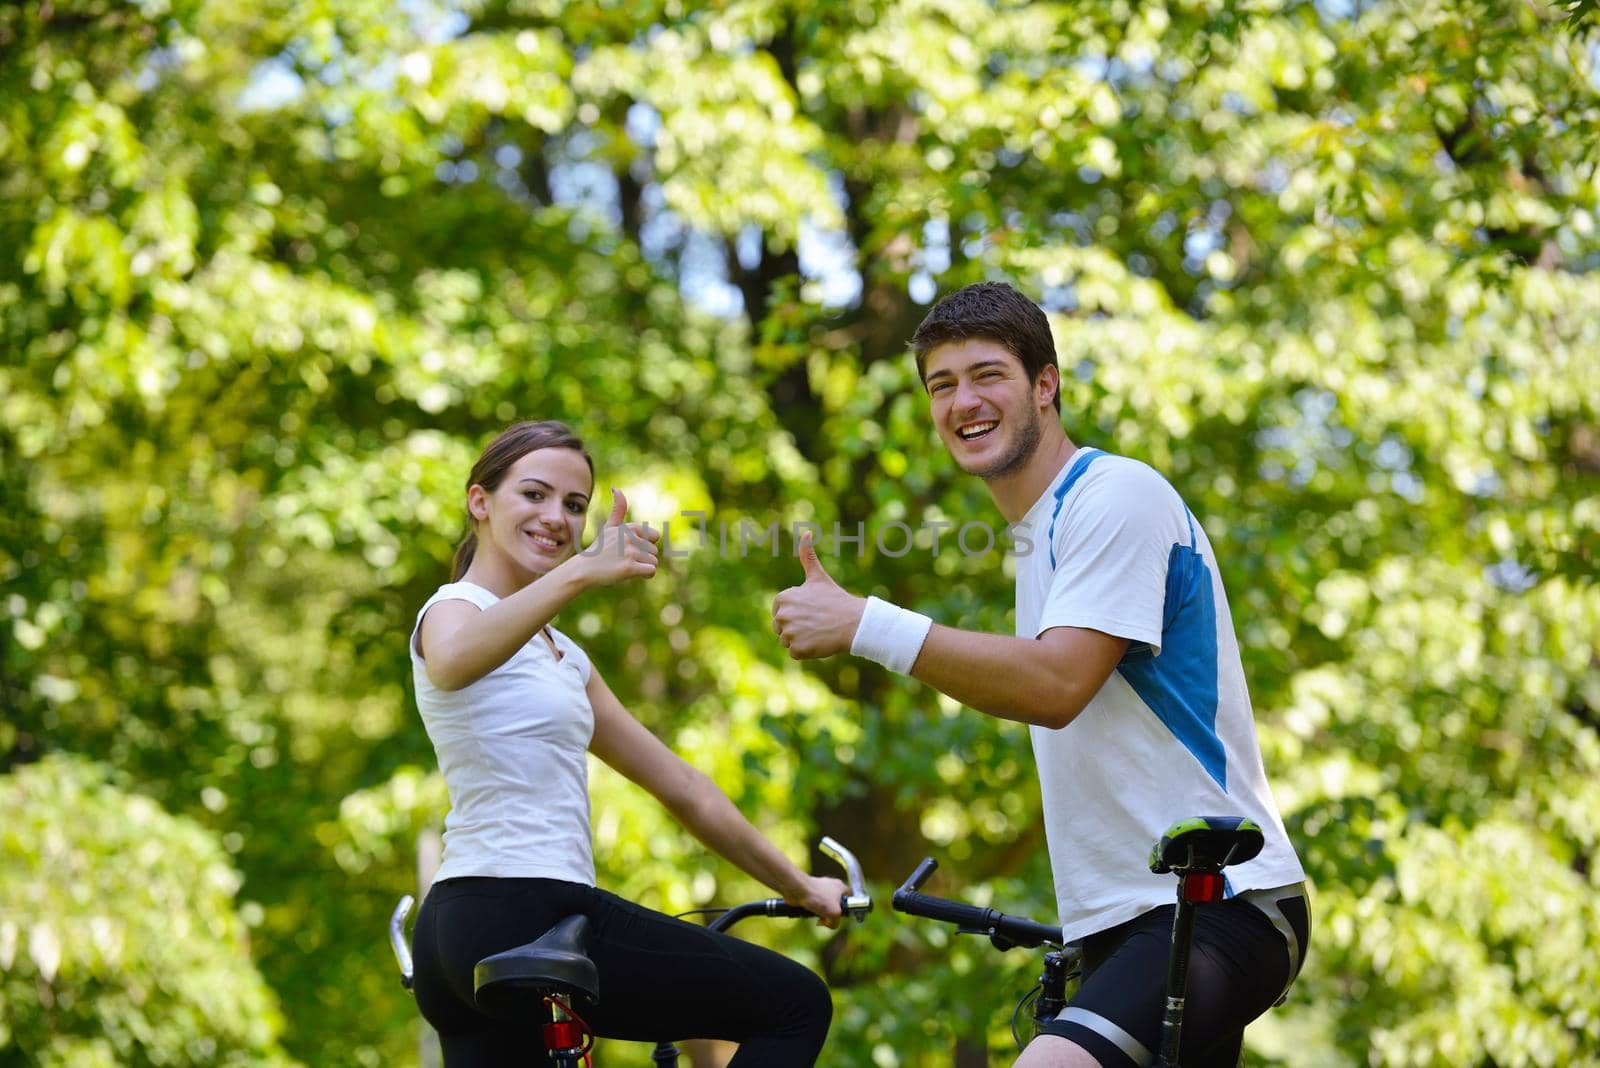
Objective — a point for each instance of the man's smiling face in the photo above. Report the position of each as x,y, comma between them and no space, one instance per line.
987,411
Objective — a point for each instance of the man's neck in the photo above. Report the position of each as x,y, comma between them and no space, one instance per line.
1015,493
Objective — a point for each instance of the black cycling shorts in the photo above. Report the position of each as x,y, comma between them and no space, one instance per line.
1246,952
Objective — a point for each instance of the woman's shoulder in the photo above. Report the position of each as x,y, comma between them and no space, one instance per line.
469,592
461,591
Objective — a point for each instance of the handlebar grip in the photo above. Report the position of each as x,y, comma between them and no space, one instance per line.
1026,933
780,907
1006,931
913,903
849,905
856,903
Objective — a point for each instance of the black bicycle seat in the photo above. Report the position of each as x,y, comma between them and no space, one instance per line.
511,985
1206,844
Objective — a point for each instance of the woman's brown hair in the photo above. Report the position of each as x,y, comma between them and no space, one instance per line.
509,446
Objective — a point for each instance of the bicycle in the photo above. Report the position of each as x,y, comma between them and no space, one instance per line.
1196,850
551,973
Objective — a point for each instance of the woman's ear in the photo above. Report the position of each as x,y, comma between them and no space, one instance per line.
477,502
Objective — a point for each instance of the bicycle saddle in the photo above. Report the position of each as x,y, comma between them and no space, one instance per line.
1206,844
511,985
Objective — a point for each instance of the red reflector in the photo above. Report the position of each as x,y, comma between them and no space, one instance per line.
1202,888
564,1034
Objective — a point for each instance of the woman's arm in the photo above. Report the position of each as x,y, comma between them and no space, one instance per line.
695,801
461,643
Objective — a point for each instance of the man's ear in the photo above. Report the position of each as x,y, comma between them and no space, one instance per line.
477,502
1048,385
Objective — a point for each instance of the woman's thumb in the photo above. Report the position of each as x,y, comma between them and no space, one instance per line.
619,508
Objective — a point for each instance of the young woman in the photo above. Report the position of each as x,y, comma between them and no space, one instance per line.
512,706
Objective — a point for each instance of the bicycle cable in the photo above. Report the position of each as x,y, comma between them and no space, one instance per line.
583,1029
1027,999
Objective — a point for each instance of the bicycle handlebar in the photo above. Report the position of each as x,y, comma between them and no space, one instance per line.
857,903
1004,931
772,906
397,939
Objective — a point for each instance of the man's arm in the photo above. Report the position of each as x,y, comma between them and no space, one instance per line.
1045,681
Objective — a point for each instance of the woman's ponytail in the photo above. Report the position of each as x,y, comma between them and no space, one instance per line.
464,553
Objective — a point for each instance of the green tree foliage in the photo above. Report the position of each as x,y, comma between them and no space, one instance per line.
274,271
101,969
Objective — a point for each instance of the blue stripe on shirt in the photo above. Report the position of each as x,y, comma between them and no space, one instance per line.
1080,464
1180,685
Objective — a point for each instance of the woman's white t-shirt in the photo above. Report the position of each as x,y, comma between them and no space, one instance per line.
513,748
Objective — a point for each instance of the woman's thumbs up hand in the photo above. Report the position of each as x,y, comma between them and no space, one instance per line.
620,550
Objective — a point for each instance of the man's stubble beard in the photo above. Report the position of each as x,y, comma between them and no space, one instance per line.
1028,437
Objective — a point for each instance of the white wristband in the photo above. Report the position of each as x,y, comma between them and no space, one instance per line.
890,635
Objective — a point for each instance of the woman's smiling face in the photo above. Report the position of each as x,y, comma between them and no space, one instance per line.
534,518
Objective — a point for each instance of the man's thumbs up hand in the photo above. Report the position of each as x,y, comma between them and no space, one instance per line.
818,617
811,565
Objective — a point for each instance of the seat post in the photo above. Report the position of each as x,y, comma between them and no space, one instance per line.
546,974
1195,850
1177,980
563,1033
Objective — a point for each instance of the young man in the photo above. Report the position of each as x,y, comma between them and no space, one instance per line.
1126,669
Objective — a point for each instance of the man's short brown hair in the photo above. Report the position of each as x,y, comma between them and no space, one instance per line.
992,311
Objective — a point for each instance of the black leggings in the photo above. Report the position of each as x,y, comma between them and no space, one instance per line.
660,978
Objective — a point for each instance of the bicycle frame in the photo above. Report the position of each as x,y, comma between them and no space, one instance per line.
1062,963
1195,850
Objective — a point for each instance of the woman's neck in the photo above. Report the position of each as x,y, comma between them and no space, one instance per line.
495,575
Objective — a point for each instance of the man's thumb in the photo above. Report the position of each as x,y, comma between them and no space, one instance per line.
619,508
808,560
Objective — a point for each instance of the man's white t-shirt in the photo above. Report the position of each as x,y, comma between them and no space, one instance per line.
1110,546
513,748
